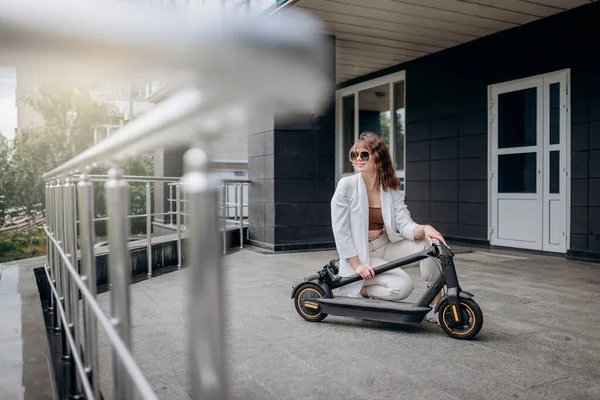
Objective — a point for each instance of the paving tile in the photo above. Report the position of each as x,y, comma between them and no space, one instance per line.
509,324
549,349
360,372
11,328
286,376
467,383
572,388
9,280
526,349
11,350
243,387
10,301
10,380
539,338
167,387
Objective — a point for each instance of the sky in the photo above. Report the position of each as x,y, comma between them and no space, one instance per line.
8,109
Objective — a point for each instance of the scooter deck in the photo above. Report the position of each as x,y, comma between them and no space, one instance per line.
378,310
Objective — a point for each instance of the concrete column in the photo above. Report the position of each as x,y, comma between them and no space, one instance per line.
291,163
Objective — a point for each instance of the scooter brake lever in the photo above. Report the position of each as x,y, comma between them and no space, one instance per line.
442,249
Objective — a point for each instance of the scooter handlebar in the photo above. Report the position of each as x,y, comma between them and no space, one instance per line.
437,249
386,267
312,277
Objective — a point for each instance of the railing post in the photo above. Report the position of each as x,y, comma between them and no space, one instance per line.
170,204
65,281
224,202
178,207
207,319
236,196
49,248
227,200
149,229
88,265
117,198
57,280
240,197
185,211
71,251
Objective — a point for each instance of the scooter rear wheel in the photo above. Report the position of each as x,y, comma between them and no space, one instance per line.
309,291
471,314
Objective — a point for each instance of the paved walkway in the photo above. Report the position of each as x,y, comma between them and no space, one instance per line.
539,339
25,361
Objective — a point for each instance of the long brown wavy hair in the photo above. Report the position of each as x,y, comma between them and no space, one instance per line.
386,174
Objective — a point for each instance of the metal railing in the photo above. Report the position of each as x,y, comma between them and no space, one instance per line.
235,188
148,215
80,203
233,200
285,47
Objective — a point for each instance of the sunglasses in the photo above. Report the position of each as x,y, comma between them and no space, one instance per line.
364,155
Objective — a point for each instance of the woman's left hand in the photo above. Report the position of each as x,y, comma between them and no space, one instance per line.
431,233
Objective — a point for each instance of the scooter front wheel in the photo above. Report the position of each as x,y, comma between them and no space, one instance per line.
308,311
471,317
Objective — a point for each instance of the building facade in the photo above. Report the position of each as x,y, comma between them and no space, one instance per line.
492,116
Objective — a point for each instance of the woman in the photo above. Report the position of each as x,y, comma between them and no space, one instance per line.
372,226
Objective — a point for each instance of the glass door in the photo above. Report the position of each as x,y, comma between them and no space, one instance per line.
516,165
377,106
528,159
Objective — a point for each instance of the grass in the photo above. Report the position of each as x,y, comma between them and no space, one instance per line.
14,245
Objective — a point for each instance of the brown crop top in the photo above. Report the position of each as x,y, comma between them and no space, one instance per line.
375,219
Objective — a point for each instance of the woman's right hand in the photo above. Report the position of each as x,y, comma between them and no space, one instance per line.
366,271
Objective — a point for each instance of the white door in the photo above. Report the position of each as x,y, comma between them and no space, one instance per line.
528,160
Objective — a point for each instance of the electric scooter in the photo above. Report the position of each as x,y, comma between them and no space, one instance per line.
458,314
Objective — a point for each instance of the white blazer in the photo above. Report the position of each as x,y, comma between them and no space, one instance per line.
350,223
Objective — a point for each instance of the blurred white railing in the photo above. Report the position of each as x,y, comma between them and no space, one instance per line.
226,68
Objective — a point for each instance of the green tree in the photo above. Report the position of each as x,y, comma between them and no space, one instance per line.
141,166
4,163
70,117
28,155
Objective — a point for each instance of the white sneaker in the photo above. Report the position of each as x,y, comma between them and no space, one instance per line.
432,317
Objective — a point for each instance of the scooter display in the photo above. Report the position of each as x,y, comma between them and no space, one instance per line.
458,314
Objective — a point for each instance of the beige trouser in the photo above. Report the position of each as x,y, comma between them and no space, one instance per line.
397,284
